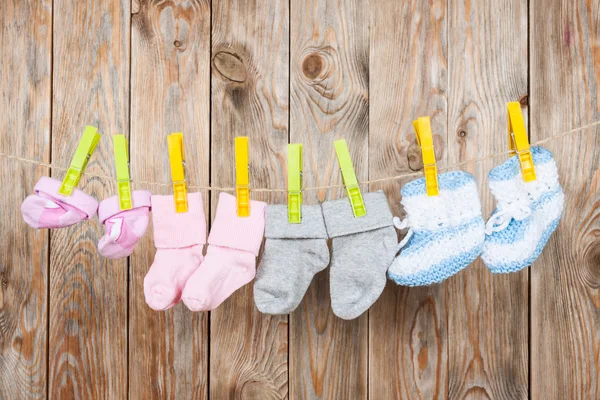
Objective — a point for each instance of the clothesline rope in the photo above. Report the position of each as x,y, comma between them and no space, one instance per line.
315,188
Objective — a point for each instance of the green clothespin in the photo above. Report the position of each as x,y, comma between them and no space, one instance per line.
84,151
122,165
295,183
349,178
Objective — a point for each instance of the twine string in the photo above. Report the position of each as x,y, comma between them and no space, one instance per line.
315,188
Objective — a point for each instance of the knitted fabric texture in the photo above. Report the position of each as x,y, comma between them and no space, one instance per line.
293,254
124,228
234,243
446,232
362,250
179,240
526,215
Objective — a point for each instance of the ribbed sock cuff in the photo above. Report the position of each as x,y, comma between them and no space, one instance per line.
240,233
175,230
340,220
312,225
79,200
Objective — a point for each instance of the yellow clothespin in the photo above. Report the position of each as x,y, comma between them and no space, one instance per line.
242,188
122,166
295,183
84,151
349,178
519,144
425,140
177,161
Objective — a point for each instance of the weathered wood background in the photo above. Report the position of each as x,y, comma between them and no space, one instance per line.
75,325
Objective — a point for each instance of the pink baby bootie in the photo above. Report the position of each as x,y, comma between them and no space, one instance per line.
47,208
123,228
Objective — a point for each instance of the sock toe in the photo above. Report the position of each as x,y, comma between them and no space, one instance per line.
361,301
160,297
39,212
270,301
32,211
108,248
195,304
69,218
194,294
266,302
348,311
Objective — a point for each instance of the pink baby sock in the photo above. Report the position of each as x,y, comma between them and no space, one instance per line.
123,228
179,239
49,209
230,262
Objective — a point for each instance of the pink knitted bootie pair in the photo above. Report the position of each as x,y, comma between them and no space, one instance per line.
47,208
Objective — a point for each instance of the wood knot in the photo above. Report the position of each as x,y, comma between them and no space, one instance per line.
413,156
177,43
313,65
591,259
524,101
230,66
319,67
462,134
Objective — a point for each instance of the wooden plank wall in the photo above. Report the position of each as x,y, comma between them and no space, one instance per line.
87,331
250,78
170,81
329,100
487,314
565,307
25,106
412,363
75,325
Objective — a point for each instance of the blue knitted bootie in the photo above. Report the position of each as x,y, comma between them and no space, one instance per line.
526,215
446,232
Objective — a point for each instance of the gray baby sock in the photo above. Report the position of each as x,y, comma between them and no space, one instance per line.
293,254
362,250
